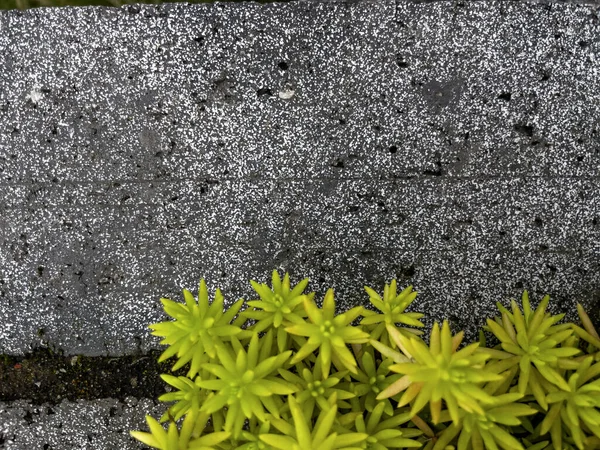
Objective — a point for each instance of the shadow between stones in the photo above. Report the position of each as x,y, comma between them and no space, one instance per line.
44,376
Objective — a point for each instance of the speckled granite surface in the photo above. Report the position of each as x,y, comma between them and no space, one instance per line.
98,424
455,146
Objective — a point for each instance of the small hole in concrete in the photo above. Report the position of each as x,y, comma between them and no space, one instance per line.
524,129
264,91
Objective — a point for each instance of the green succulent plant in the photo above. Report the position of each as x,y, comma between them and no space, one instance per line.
588,333
244,383
371,379
576,409
314,389
286,374
531,341
488,430
250,439
197,328
531,446
178,440
386,434
329,333
440,372
303,435
278,307
188,397
392,311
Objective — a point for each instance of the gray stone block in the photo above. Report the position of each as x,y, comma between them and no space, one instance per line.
98,424
454,146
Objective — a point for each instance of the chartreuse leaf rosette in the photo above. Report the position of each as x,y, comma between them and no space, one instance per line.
281,372
197,328
188,397
386,434
278,307
173,439
391,311
329,333
488,430
251,439
371,378
245,383
303,435
588,333
575,411
531,340
315,390
440,372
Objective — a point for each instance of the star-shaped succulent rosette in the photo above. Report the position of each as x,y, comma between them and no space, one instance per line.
371,378
303,435
391,312
174,439
278,306
197,329
316,390
329,333
487,430
575,410
441,372
531,341
245,383
385,434
289,374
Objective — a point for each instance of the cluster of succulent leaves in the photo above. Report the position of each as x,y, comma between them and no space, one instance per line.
282,372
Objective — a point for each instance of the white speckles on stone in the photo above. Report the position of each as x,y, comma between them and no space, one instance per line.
465,167
286,94
92,425
35,95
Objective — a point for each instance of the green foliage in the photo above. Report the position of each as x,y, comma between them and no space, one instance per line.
576,407
284,373
198,328
487,428
304,435
328,333
392,311
531,342
278,307
244,383
440,372
179,440
384,434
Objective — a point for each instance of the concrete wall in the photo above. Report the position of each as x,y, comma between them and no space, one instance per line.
453,146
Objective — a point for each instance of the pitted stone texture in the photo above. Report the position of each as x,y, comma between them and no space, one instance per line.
455,146
99,424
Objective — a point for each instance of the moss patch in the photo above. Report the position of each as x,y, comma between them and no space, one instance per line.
45,376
